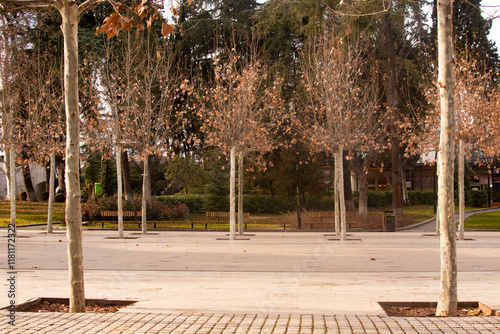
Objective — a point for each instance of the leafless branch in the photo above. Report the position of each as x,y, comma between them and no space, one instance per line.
89,4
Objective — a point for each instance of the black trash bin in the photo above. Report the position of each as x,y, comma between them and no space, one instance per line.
389,221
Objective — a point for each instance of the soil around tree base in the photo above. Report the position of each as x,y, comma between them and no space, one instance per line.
428,309
62,305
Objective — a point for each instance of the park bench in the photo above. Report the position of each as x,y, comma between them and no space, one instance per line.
329,214
112,217
208,223
223,214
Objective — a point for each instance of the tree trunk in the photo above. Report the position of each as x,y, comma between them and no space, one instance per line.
297,186
461,188
119,197
343,224
127,184
6,170
145,189
28,184
52,172
69,27
406,198
349,198
447,303
363,194
12,170
232,194
392,104
149,199
7,117
336,197
438,224
240,194
61,178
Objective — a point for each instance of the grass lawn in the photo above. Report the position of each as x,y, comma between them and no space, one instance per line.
30,213
36,213
487,220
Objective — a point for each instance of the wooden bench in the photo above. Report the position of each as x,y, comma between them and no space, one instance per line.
208,223
223,214
113,215
329,214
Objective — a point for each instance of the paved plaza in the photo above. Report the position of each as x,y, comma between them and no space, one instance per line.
265,282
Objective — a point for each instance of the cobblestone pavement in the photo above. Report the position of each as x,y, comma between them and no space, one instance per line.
203,323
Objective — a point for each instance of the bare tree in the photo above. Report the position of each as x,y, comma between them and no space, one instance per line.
239,110
476,97
447,303
342,102
71,13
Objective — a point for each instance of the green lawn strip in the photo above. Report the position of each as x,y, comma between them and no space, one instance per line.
30,212
487,220
422,212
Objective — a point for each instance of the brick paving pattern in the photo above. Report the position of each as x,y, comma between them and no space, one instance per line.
204,323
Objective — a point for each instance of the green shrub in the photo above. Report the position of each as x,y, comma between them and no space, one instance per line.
259,203
84,195
196,202
59,198
253,202
45,196
418,197
23,196
478,198
319,204
379,198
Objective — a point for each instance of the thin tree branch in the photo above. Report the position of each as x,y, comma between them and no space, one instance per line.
16,8
15,5
89,4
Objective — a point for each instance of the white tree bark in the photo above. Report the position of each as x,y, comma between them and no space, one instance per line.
232,194
447,303
438,224
119,182
406,197
12,170
6,113
336,199
240,193
461,188
69,27
50,214
340,167
6,169
145,190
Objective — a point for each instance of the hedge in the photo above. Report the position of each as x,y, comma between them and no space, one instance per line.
267,204
253,203
478,198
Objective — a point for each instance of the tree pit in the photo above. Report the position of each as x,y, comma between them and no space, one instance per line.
44,304
428,309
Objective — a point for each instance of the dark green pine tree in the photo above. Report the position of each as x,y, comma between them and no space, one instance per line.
471,32
205,27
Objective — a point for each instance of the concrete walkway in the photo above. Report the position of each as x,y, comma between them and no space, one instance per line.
266,282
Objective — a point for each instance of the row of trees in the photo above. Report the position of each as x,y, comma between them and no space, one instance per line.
241,78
